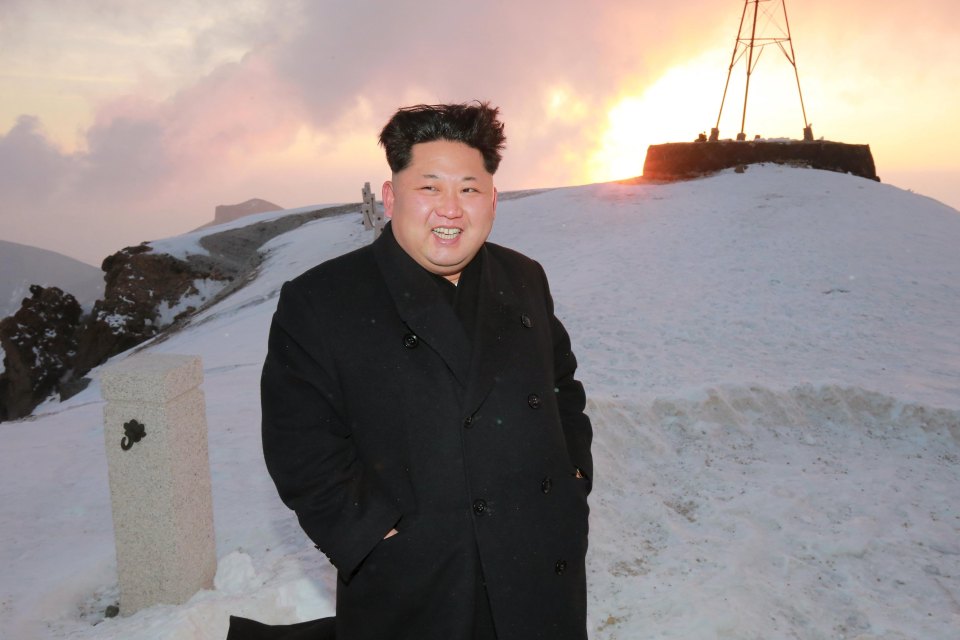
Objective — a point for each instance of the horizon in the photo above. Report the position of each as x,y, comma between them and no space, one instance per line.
126,124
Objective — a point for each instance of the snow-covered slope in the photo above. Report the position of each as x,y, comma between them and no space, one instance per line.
774,378
23,265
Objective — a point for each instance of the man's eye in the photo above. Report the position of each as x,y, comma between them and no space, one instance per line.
470,190
428,187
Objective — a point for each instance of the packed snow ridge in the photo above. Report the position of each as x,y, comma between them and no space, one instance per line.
774,379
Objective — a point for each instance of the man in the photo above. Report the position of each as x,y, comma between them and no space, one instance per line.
420,412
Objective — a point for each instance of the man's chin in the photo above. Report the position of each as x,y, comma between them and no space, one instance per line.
449,264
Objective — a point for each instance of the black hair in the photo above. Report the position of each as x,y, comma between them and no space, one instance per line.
474,124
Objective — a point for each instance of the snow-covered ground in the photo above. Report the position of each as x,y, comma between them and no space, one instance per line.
773,367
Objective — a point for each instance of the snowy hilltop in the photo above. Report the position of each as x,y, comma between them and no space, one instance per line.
773,370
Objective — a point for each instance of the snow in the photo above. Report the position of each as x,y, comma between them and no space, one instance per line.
774,379
206,289
116,321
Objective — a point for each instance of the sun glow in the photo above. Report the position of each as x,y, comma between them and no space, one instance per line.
684,102
563,106
676,107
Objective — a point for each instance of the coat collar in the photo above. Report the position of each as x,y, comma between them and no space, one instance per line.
422,306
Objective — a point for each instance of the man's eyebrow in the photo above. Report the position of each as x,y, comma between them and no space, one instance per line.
433,176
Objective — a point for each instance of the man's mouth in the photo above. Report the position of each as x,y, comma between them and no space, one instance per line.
446,233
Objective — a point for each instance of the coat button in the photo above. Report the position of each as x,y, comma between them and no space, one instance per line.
534,401
410,341
560,567
546,485
479,507
468,422
525,320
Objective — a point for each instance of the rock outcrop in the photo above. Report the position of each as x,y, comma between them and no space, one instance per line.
40,347
48,346
145,292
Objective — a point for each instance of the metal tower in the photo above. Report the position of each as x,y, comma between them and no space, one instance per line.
765,14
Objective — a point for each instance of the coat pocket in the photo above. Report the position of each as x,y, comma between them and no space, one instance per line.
412,580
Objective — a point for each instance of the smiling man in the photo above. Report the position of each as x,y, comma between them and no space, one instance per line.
420,411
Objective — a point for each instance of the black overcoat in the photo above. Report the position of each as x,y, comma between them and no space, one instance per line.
379,411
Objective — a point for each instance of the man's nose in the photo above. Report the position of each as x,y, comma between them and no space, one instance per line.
449,205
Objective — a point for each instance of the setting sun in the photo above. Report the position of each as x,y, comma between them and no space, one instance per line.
676,107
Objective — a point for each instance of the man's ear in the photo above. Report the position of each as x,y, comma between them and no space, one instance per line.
494,202
386,194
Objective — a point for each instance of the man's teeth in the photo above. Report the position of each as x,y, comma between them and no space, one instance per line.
446,233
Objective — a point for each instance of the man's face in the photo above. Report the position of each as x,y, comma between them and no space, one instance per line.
442,206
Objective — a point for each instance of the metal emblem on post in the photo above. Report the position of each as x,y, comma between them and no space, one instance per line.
133,432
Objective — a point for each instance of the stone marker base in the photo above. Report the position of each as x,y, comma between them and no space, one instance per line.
156,439
683,160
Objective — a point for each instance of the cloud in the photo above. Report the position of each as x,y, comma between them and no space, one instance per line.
510,52
146,168
32,169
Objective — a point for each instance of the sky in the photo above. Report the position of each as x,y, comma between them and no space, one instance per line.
124,122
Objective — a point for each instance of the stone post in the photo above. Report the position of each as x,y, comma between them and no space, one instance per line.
372,216
156,436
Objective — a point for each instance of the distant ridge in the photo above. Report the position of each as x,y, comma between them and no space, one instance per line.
24,265
230,212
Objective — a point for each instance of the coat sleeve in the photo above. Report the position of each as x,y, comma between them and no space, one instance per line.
307,445
571,398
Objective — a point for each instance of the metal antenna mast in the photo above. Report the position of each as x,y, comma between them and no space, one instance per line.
752,44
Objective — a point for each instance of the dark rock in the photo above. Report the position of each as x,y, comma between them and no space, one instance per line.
40,347
139,282
72,386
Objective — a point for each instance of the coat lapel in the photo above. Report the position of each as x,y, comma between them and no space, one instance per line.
421,305
495,308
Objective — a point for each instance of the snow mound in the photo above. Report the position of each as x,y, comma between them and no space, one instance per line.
822,512
235,574
802,406
276,595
